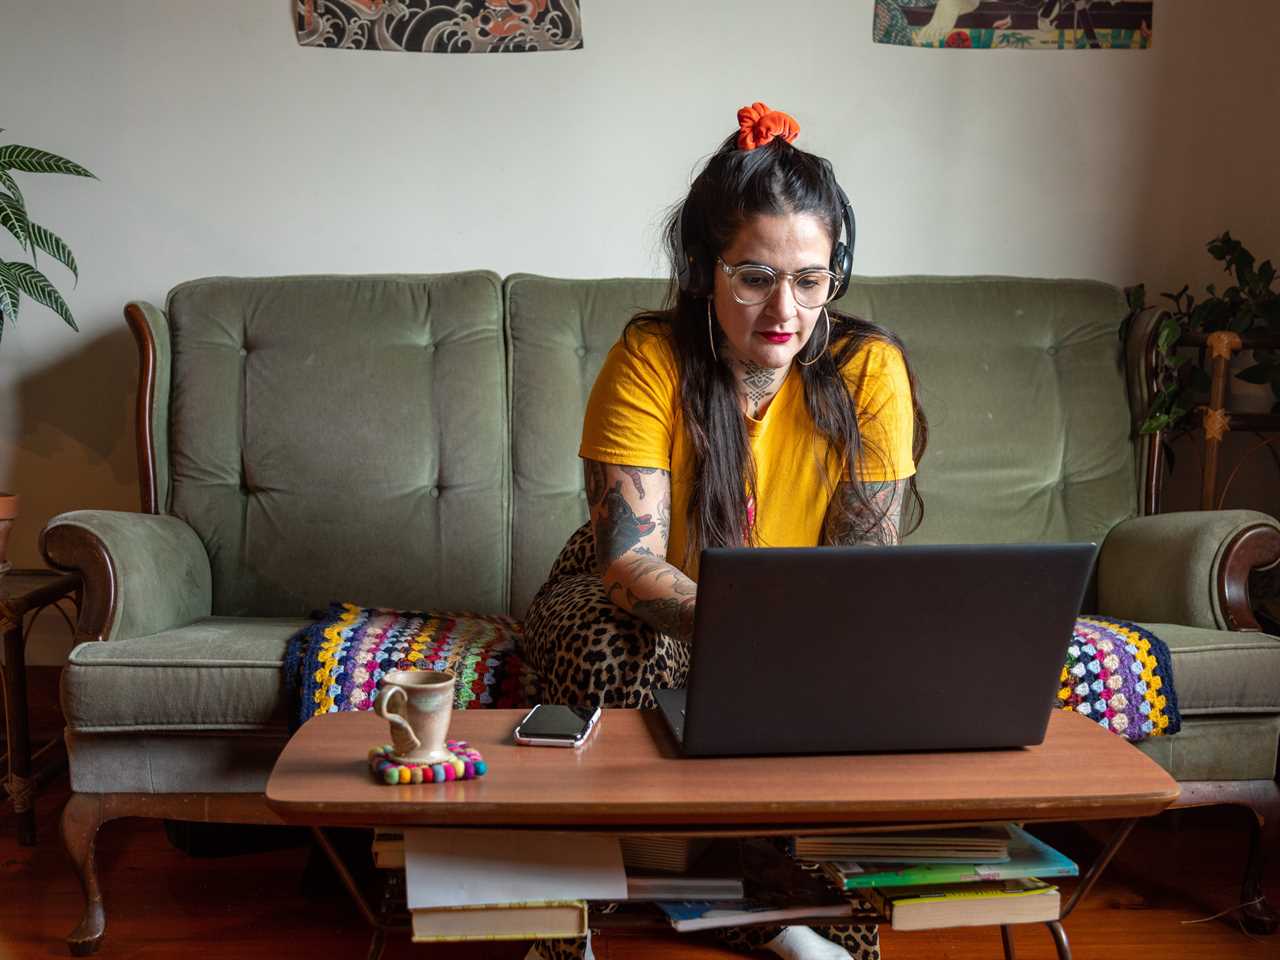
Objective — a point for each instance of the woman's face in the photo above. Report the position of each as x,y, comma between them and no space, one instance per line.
770,334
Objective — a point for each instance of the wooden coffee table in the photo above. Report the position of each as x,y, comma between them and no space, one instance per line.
630,779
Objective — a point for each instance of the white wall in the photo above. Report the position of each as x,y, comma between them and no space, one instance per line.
224,148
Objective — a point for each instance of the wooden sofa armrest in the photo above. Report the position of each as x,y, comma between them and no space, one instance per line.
1190,568
142,573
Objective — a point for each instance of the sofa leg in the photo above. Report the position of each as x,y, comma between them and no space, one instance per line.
81,818
1257,915
1262,799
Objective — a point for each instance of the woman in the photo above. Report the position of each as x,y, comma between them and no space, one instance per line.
744,413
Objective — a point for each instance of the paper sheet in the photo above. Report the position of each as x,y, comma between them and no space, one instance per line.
447,868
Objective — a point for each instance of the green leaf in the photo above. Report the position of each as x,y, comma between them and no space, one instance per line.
37,286
9,297
52,244
1136,296
1170,331
1258,373
1266,273
10,185
13,217
1243,264
1154,424
30,160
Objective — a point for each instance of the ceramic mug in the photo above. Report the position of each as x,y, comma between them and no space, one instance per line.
419,727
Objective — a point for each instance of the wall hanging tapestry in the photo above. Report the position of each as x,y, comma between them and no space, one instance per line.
439,26
1015,24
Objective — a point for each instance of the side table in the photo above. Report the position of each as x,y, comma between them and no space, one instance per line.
23,594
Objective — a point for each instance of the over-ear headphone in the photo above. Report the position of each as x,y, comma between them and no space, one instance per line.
693,269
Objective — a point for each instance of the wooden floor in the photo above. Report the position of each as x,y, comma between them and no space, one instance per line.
162,903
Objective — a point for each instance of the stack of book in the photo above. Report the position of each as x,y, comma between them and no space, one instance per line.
777,888
497,885
946,878
708,870
477,884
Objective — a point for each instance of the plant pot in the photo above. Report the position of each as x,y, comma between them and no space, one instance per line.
8,513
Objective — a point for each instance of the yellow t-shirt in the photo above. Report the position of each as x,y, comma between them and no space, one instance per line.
634,418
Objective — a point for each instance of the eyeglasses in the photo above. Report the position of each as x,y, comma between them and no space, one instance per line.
753,283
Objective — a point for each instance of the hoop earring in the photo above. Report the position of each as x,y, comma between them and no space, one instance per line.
711,338
826,343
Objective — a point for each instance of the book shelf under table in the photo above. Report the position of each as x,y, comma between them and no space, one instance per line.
630,779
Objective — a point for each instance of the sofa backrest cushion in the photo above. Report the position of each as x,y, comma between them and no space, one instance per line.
343,438
560,332
1021,380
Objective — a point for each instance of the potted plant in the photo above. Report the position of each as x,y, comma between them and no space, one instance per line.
1249,307
18,277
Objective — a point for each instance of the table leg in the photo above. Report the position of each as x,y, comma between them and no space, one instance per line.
1006,940
371,916
18,734
1059,939
1095,871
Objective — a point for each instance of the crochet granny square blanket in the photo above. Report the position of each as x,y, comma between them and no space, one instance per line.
1121,676
1116,673
338,662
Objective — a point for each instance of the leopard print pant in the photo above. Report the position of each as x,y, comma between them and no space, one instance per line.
589,651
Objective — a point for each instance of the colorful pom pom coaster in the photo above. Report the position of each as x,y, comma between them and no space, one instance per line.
467,764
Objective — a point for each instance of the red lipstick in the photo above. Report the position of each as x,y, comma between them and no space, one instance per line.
776,337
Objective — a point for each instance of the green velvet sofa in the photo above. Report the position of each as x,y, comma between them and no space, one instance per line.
411,441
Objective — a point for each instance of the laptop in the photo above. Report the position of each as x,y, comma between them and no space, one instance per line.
851,649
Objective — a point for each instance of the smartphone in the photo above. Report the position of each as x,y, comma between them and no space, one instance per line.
550,725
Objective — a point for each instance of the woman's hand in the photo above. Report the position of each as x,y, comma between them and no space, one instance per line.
631,518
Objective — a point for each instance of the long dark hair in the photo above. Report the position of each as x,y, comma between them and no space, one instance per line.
734,186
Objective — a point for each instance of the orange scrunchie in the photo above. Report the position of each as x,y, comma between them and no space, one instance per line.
757,125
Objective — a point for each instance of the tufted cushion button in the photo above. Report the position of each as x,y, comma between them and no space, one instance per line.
244,351
1051,351
434,492
430,348
580,351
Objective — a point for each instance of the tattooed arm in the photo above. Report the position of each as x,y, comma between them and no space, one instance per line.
849,522
631,519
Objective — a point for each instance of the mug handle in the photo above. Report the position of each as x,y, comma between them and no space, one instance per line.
382,707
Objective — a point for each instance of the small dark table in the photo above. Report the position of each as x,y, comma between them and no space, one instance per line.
24,592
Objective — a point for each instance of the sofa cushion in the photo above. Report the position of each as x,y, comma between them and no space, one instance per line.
1219,748
560,332
219,673
1219,672
1024,387
343,436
